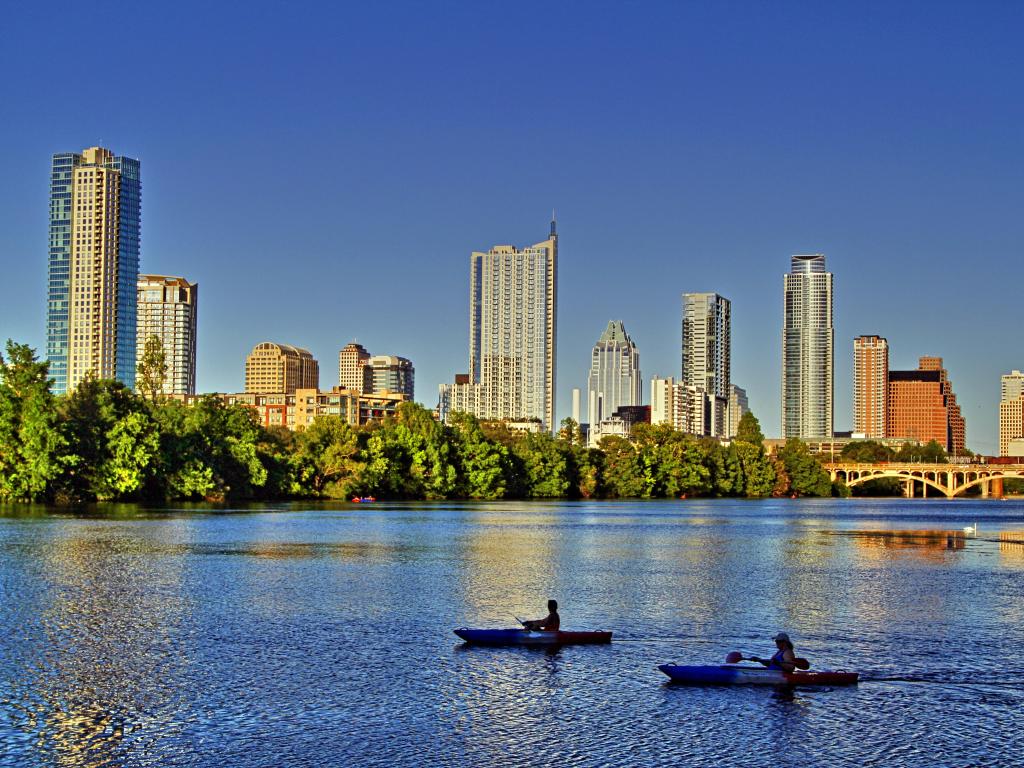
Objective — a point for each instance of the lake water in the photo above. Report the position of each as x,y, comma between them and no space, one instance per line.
290,636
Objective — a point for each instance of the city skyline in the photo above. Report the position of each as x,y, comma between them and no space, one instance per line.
758,158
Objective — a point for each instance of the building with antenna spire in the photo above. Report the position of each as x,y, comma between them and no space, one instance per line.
512,335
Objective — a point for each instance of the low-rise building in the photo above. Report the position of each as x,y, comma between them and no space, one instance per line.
297,410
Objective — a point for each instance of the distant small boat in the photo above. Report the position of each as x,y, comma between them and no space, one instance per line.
363,499
971,529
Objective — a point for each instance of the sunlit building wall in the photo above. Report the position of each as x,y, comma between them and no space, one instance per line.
870,385
167,309
93,267
272,367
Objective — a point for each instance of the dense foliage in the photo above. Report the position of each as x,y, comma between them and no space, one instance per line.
106,442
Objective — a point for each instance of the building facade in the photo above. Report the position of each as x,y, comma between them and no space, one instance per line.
870,386
1011,412
614,378
738,405
682,406
352,370
272,368
93,267
807,349
512,334
707,353
390,373
168,309
297,410
922,407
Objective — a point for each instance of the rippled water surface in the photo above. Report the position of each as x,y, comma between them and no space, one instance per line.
291,636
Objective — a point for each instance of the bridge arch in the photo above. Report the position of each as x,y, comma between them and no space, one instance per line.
865,476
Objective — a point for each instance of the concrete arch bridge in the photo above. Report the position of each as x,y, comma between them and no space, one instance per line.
947,480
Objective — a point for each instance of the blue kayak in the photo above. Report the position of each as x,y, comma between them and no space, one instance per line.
530,637
736,674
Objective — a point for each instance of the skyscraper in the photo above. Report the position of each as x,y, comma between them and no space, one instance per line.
738,405
93,267
352,370
614,378
1011,413
512,332
280,368
390,373
922,407
870,385
167,309
807,349
706,353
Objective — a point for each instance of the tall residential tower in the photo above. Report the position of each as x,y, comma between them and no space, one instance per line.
807,349
707,355
167,308
870,386
512,331
93,267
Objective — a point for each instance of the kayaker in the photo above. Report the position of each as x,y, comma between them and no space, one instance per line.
549,623
784,658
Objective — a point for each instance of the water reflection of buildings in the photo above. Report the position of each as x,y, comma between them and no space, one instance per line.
508,563
106,674
928,543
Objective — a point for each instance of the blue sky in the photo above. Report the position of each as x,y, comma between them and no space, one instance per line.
325,170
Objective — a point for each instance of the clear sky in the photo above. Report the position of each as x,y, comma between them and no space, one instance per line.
324,171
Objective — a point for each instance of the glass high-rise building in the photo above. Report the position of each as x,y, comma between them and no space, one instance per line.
390,373
807,349
512,331
93,272
707,353
614,378
167,309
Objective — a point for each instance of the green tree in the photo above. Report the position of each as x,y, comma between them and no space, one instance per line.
33,449
327,457
866,452
151,369
543,466
210,450
758,470
484,464
749,429
411,456
672,463
929,453
623,476
806,475
114,438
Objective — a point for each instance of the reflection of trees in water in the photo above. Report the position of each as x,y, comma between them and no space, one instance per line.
105,683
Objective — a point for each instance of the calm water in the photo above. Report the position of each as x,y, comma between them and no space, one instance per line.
287,637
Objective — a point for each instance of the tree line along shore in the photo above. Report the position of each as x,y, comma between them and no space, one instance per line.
105,442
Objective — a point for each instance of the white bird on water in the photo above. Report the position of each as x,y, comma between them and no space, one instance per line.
971,529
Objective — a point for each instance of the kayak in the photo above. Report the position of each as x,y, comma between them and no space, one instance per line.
736,674
530,637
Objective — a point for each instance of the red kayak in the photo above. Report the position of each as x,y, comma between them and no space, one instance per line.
530,637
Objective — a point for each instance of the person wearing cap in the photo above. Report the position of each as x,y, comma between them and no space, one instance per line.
784,658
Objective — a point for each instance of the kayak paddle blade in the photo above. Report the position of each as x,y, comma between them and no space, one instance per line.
734,657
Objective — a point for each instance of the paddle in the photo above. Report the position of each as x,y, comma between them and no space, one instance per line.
736,656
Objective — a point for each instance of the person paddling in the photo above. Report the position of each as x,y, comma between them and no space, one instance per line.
549,623
784,658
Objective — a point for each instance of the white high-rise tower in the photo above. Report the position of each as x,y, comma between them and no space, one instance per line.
807,349
512,331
